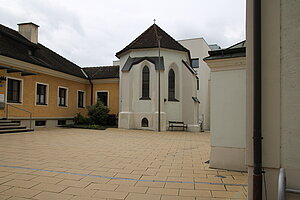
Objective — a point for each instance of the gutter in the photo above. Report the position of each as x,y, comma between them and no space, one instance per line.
257,125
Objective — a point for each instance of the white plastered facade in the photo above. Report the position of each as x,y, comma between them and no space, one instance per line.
199,49
133,109
228,113
280,94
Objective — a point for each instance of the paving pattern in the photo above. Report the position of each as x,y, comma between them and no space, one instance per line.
79,164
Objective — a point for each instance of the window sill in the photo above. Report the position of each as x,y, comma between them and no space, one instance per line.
65,106
173,100
145,98
80,107
42,104
14,102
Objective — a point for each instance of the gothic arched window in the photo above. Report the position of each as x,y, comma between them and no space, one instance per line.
145,83
171,86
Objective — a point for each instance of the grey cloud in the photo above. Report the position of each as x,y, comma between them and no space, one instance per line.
90,32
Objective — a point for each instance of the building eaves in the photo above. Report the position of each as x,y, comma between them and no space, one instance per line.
187,65
136,60
234,51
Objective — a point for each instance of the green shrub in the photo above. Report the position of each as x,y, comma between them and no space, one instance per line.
80,119
98,113
84,126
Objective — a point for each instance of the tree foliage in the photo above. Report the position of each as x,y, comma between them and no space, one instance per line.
79,119
98,113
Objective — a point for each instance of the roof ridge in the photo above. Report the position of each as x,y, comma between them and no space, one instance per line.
236,44
17,46
16,35
149,39
171,37
138,37
107,66
59,55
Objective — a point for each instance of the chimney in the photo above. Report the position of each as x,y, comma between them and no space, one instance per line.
29,31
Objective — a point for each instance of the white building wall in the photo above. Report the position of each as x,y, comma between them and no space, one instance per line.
228,99
189,108
280,93
290,93
199,49
228,113
133,110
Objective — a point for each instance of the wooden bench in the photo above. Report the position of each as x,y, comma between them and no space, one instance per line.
176,124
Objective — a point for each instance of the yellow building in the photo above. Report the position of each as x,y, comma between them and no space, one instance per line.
37,82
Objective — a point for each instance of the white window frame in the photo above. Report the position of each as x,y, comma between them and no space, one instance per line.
21,90
47,93
84,97
107,96
67,96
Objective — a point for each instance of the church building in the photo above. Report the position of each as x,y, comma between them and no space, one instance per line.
155,77
156,69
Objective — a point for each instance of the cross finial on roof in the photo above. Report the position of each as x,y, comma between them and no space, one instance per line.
154,20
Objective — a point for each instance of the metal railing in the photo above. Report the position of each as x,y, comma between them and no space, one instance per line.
30,113
282,190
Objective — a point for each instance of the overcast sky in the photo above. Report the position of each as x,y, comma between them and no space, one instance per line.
90,32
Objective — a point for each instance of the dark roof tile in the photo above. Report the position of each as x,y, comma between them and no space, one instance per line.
14,45
148,39
234,51
102,72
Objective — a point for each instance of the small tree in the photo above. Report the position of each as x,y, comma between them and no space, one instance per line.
98,113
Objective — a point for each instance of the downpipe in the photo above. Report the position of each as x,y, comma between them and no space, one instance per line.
257,125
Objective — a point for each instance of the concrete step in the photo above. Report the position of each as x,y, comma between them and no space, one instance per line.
12,127
5,121
15,130
10,124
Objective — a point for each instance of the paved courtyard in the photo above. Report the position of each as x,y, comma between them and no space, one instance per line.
77,164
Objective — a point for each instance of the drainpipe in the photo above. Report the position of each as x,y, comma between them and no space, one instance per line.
257,132
158,84
92,91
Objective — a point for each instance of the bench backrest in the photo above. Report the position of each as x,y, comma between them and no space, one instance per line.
175,122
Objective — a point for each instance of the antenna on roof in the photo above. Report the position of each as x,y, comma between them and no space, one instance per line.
154,20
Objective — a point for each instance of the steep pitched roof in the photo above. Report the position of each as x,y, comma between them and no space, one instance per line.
234,51
102,72
14,45
148,39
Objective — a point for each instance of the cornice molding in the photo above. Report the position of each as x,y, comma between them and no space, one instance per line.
227,64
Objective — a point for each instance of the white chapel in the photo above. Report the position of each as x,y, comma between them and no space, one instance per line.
154,52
